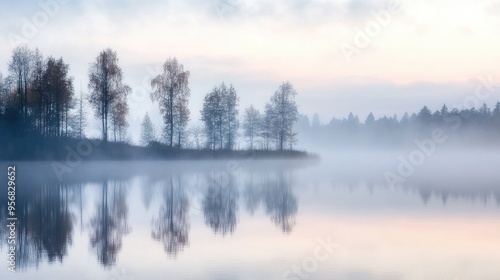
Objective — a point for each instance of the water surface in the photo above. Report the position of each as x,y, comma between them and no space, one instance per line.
248,219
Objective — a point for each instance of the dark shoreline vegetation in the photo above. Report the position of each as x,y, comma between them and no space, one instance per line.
69,149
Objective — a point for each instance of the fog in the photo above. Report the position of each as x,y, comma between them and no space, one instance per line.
441,171
178,210
235,139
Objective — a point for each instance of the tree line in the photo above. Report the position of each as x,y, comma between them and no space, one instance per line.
272,129
37,95
469,125
219,115
37,98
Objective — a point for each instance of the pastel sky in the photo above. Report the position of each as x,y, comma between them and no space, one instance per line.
425,52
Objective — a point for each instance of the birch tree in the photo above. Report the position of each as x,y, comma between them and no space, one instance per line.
106,87
284,111
231,123
171,90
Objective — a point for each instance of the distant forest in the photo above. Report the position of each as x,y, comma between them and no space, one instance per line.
40,111
470,127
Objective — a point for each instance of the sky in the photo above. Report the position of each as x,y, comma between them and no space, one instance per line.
360,56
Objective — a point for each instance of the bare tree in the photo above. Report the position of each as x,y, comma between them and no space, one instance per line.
3,94
266,127
171,90
251,124
284,111
37,93
231,123
43,92
212,117
119,112
20,68
58,87
220,116
106,87
181,121
292,139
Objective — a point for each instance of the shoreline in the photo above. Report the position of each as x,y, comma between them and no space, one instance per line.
96,150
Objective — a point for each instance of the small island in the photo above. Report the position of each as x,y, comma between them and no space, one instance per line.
41,118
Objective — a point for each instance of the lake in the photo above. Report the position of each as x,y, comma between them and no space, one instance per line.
336,218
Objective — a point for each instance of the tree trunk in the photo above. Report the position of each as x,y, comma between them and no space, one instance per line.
179,143
171,117
281,141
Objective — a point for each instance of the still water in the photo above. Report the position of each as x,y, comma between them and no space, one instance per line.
252,219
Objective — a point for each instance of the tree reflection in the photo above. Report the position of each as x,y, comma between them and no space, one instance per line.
149,188
109,224
172,228
220,205
148,192
52,223
281,203
253,196
44,226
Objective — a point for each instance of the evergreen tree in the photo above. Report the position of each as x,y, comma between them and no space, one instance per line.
148,134
370,120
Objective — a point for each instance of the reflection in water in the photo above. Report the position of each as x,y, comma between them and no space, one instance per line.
109,224
427,194
51,222
45,227
279,200
281,204
172,227
252,194
148,192
148,189
78,199
220,205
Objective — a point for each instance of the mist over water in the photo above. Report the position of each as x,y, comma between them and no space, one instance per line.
242,140
261,218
